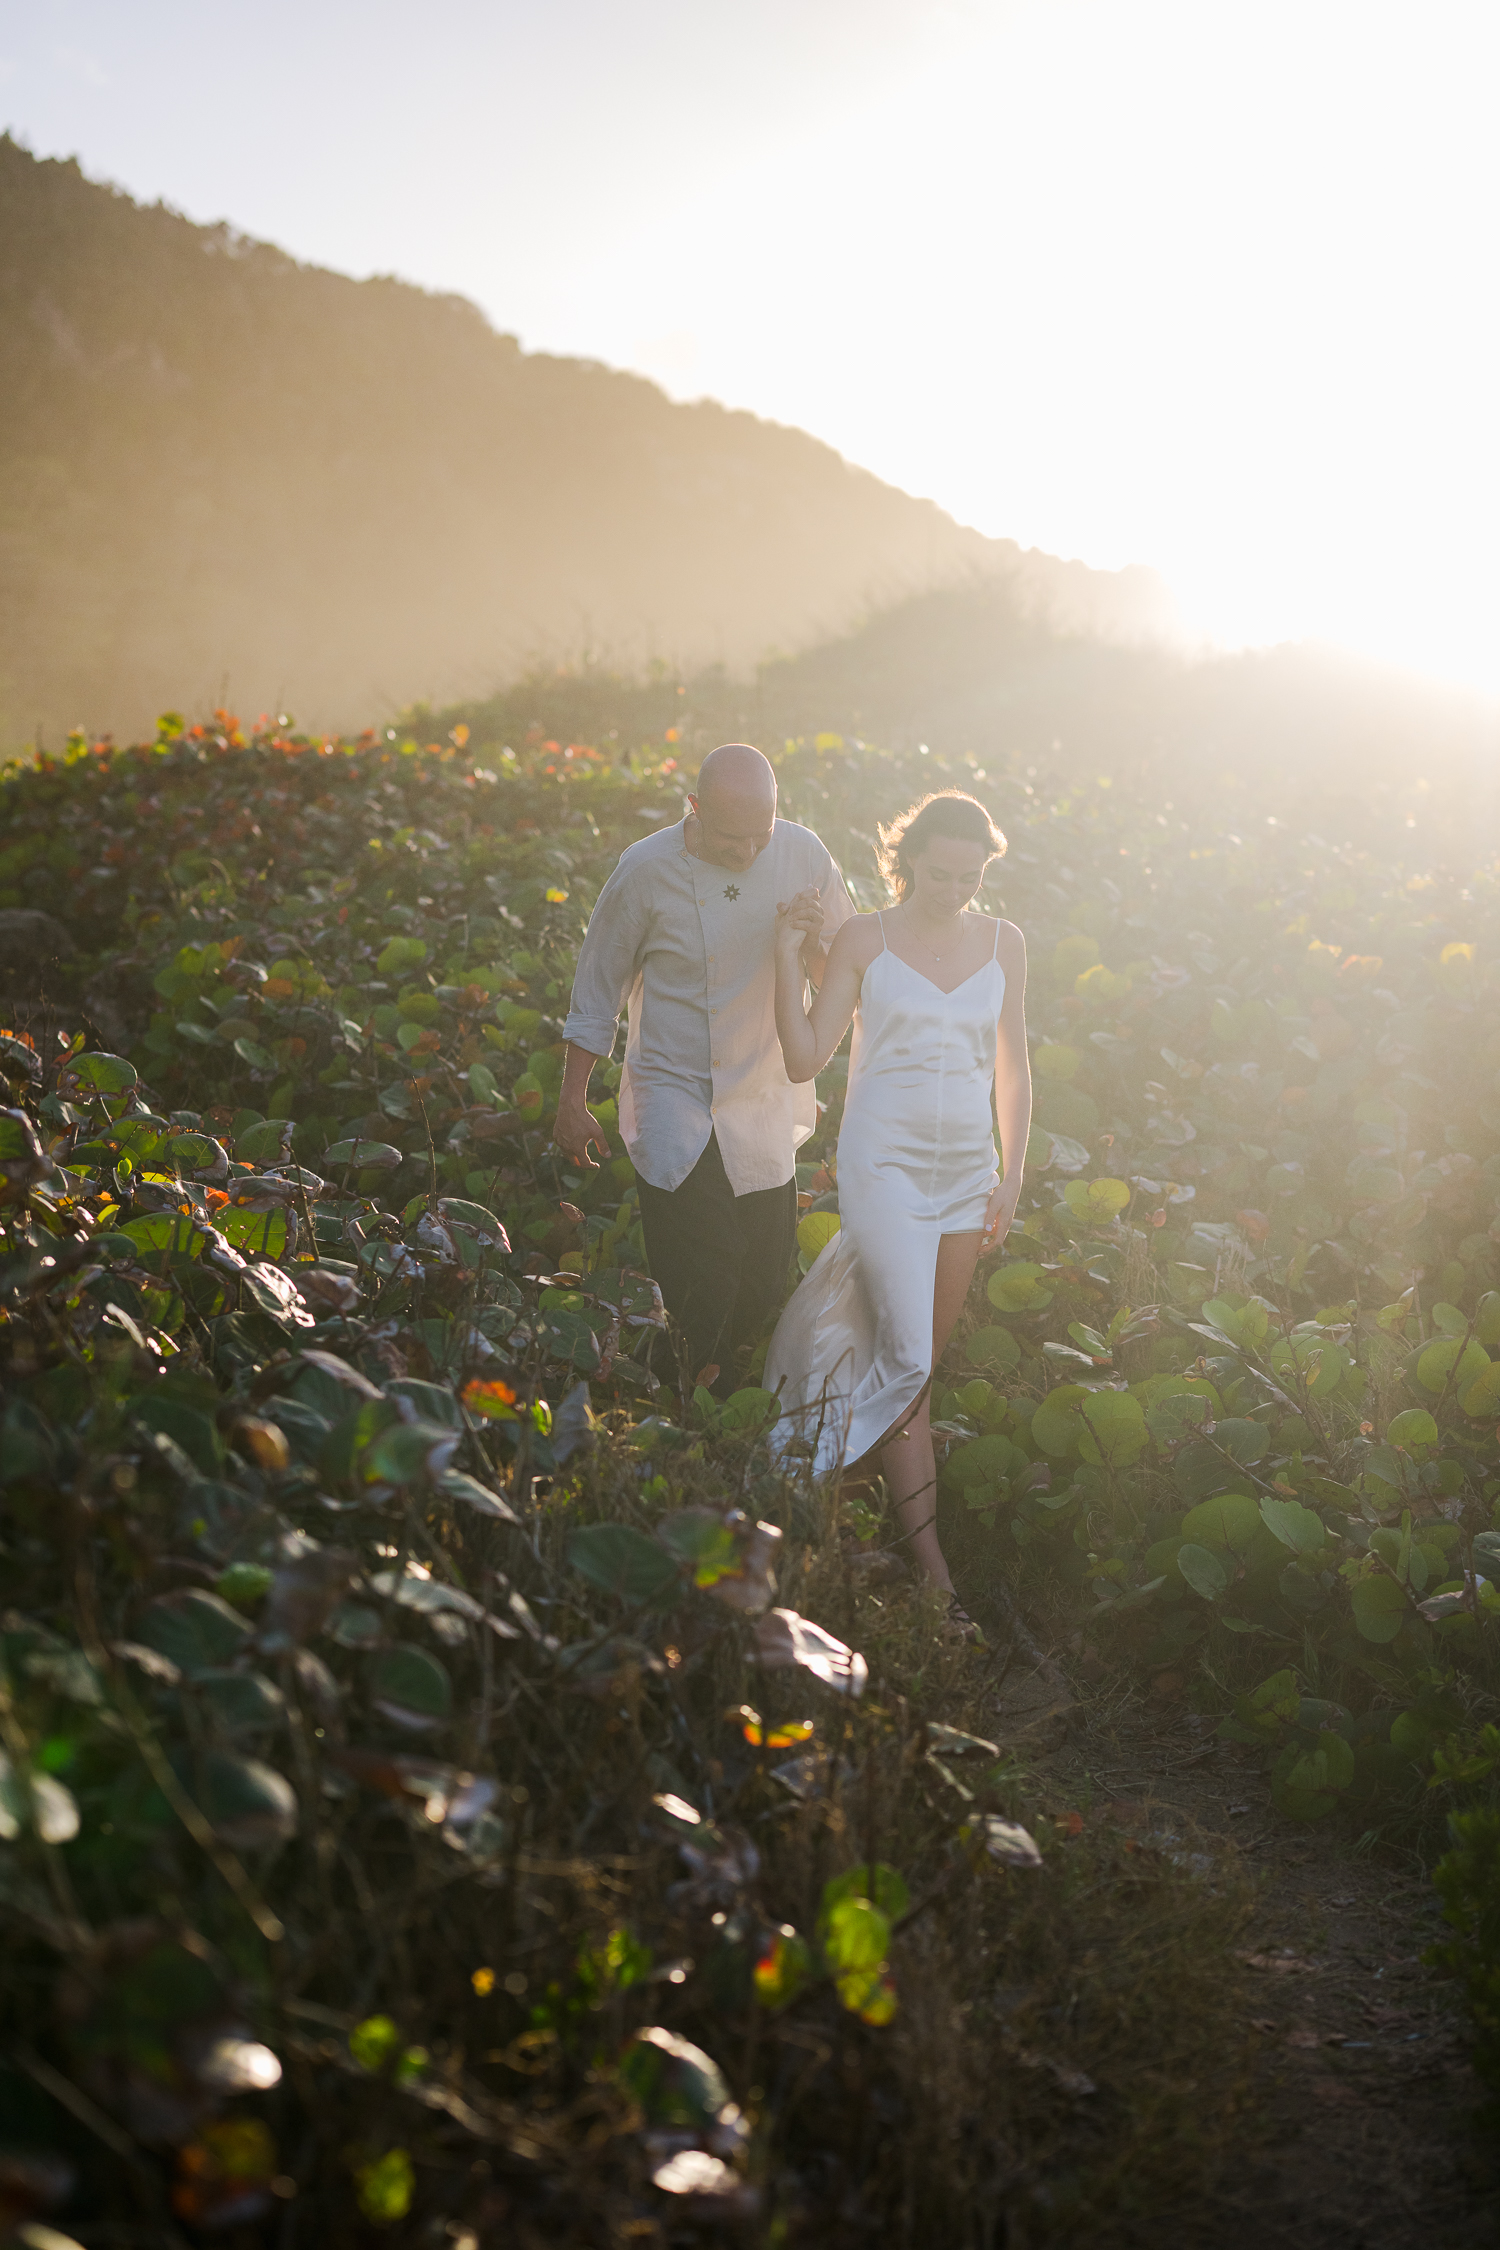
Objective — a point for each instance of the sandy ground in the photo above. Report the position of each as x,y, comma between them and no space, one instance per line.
1360,2133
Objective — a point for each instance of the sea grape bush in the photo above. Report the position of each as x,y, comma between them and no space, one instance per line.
370,1574
378,1618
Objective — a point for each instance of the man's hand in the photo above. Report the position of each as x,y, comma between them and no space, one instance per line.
799,924
576,1129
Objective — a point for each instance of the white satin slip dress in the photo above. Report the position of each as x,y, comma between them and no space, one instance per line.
916,1161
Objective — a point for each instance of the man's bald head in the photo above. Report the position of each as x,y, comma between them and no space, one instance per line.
735,806
737,769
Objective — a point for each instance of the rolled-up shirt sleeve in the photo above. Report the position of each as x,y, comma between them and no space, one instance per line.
608,965
837,904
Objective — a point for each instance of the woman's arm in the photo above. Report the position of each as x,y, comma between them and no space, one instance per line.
1012,1088
807,1041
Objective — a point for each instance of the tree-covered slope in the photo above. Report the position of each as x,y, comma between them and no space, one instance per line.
225,473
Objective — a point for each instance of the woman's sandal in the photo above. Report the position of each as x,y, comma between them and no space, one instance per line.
958,1625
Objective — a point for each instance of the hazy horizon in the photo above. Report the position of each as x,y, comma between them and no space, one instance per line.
1197,291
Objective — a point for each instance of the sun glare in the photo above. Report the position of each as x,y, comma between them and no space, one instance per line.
1204,288
1197,288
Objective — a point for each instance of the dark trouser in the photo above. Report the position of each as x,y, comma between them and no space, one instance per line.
719,1259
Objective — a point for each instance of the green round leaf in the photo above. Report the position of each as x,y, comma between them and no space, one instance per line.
244,1584
258,1234
1481,1397
620,1560
399,954
97,1074
241,1702
386,2186
1203,1571
1160,1559
373,2042
815,1230
362,1156
989,1460
1410,1735
247,1805
409,1453
1295,1526
267,1141
1451,1356
1246,1324
1269,1709
1416,1427
1056,1425
1209,1463
1018,1287
193,1152
251,1052
164,1235
1228,1522
1380,1607
194,1628
87,1156
1098,1200
1306,1782
885,1885
747,1412
1114,1428
992,1347
410,1687
856,1935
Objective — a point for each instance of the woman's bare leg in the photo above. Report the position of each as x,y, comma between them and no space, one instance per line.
907,1455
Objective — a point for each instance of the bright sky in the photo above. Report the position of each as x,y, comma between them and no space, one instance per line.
1207,284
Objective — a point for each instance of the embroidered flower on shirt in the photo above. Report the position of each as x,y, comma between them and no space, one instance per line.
731,891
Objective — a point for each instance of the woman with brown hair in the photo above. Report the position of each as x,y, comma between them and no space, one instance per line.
937,997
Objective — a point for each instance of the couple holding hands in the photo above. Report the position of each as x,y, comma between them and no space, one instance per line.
710,934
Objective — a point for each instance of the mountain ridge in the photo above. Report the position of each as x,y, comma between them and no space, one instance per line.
225,472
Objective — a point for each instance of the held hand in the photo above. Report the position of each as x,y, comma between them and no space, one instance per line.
999,1216
798,921
576,1128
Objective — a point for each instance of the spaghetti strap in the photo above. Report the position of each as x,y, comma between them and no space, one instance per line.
995,948
880,918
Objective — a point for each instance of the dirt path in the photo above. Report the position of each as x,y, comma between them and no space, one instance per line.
1359,2133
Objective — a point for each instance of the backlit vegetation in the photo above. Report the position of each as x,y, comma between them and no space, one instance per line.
446,1777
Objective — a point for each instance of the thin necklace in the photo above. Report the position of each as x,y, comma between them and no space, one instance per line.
958,932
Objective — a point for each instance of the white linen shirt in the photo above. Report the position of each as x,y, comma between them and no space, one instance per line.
690,949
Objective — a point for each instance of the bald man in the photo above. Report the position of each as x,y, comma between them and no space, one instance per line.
683,936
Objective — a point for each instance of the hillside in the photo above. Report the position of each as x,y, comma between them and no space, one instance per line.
1344,740
222,473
